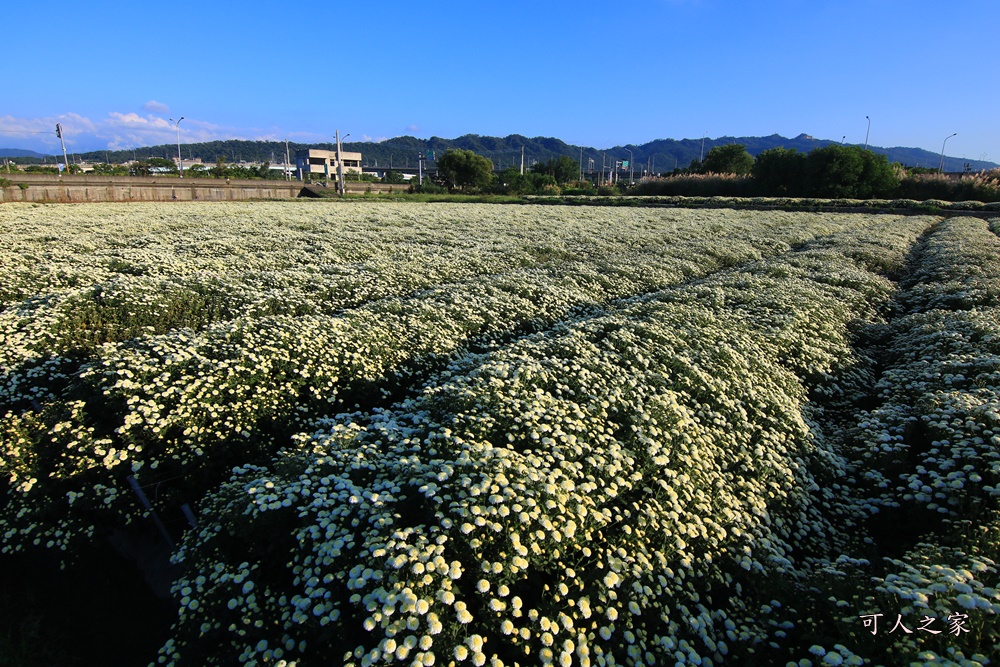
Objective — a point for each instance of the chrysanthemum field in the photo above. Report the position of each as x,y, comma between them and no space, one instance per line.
437,434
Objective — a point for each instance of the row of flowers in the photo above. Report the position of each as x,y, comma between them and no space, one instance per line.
640,485
926,463
187,405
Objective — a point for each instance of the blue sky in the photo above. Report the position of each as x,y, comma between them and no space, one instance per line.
591,73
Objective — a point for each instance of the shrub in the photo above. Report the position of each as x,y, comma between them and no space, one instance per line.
698,185
430,188
984,186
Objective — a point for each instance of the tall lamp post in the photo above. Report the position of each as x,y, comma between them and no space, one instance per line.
630,166
867,132
180,162
941,164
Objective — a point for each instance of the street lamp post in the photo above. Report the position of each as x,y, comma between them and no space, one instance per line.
180,162
941,164
867,132
630,167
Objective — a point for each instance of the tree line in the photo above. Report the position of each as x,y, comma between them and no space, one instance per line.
833,171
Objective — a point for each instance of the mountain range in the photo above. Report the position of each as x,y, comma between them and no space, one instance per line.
19,152
659,156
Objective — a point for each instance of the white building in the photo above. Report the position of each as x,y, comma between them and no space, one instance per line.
316,161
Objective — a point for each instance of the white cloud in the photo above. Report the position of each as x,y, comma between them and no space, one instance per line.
153,106
121,130
376,140
135,120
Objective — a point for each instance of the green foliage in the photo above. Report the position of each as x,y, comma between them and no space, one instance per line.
697,185
846,172
161,165
562,169
462,169
778,171
393,177
512,182
923,185
580,188
140,168
219,170
728,159
105,169
5,182
40,169
849,171
429,187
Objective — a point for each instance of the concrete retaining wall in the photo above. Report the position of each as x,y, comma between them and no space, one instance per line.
50,188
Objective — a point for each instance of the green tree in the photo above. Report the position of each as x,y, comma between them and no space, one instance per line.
105,169
162,165
219,170
563,169
779,172
849,171
512,182
393,177
139,168
462,169
728,159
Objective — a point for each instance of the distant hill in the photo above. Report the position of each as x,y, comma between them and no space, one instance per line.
18,152
661,155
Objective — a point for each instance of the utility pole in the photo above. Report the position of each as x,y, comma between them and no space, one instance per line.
59,133
288,173
522,160
340,167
